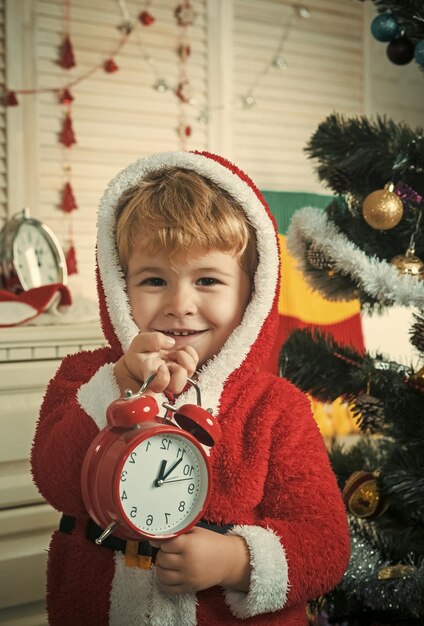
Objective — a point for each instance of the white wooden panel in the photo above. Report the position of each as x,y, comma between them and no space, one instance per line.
24,538
325,73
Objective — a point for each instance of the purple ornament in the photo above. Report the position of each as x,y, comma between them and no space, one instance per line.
407,194
400,51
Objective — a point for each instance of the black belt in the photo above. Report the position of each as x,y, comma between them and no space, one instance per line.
67,525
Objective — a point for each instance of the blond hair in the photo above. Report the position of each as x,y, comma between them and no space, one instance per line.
182,212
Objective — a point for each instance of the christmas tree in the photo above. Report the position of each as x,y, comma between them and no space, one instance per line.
369,244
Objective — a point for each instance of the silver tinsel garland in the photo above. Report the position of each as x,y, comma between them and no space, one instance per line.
378,279
401,596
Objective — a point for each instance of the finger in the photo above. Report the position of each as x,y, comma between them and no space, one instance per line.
141,367
169,561
161,380
152,342
186,359
173,546
169,577
178,377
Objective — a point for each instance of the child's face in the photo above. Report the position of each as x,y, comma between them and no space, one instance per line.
198,301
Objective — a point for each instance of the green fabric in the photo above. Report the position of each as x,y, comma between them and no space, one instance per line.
284,203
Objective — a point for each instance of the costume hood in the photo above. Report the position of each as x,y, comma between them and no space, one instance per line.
250,344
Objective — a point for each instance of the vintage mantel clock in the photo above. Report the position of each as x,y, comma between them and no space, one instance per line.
30,254
145,477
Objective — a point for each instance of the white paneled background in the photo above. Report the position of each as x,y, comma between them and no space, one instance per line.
333,65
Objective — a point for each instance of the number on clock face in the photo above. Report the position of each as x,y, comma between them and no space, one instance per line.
35,258
163,484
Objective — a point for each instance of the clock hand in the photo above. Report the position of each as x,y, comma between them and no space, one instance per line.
176,480
171,469
161,474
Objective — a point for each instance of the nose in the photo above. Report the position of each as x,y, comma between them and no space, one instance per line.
180,302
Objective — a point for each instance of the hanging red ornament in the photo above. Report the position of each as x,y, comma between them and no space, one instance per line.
11,99
110,66
71,261
146,18
67,59
185,14
68,203
183,91
66,97
184,51
184,130
67,136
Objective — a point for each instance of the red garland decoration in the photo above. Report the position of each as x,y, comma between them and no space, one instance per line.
67,136
66,97
184,130
67,59
71,261
184,51
185,14
110,66
183,91
68,203
11,99
146,18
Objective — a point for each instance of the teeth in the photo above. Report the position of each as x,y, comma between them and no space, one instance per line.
182,333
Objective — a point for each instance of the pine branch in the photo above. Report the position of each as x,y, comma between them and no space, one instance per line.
368,152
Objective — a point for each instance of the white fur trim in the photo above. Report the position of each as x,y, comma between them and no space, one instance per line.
12,313
233,353
379,279
96,395
137,600
269,580
130,596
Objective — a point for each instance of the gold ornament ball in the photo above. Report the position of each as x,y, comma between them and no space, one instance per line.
409,265
382,209
361,495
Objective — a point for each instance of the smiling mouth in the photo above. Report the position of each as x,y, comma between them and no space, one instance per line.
182,333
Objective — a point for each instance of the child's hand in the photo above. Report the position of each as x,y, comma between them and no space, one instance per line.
153,353
201,559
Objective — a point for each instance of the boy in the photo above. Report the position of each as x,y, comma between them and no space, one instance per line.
188,280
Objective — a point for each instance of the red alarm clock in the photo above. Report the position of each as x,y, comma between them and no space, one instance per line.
144,477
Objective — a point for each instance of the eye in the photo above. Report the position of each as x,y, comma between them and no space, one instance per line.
208,282
153,282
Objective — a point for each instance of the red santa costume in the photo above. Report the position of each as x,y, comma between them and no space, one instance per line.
271,476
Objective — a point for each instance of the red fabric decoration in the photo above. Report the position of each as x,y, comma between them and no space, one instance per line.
67,59
66,97
110,66
184,130
184,51
71,261
146,18
18,309
183,91
11,99
67,136
68,203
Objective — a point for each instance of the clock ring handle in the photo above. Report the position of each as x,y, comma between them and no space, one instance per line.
197,388
129,395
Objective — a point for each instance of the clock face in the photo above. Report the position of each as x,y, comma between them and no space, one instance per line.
163,484
34,257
